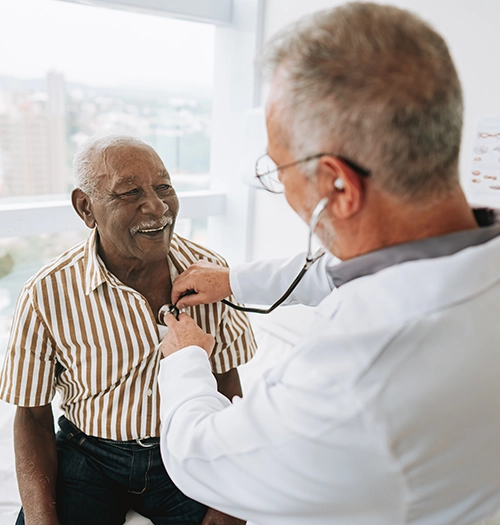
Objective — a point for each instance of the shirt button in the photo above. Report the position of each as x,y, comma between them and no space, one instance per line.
149,392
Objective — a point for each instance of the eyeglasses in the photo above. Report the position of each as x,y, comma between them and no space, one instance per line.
267,171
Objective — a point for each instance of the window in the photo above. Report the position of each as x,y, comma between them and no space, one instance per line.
74,70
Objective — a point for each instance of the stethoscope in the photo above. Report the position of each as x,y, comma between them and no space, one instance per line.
310,260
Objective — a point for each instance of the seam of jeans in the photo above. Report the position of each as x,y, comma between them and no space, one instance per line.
73,436
129,443
146,477
82,439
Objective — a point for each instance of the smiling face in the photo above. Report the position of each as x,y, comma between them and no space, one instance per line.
136,205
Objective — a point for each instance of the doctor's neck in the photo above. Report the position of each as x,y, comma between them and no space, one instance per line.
384,220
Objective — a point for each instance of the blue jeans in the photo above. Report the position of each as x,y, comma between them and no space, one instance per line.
99,480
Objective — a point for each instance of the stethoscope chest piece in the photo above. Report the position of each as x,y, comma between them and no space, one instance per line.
167,309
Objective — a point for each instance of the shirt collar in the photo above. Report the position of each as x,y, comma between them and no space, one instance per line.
175,265
96,272
429,248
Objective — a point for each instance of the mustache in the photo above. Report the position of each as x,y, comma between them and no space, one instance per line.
153,224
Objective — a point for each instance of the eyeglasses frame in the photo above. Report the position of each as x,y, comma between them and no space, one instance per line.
363,172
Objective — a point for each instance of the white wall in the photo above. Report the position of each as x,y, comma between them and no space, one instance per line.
472,31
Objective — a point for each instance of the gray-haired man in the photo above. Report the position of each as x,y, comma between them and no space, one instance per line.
388,410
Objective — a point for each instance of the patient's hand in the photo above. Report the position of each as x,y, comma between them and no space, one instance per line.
214,517
203,282
184,332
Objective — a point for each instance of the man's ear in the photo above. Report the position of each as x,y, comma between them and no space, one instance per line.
343,184
82,205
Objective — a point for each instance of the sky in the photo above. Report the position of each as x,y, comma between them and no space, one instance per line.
99,46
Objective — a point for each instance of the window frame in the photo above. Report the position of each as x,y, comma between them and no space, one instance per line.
217,12
57,216
229,204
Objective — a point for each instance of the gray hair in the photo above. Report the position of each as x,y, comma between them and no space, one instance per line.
86,164
376,85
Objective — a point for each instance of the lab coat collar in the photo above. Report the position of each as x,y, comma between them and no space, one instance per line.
410,289
430,248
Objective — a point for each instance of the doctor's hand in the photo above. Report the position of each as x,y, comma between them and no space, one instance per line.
201,283
184,332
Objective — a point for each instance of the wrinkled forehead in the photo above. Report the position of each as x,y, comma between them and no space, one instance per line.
124,157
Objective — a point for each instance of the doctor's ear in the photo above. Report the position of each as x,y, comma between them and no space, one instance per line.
345,186
82,205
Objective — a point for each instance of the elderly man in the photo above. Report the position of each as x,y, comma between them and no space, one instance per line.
85,325
388,410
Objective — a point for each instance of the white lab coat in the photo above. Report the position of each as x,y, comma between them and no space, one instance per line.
387,412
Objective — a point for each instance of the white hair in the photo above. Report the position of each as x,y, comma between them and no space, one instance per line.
85,163
376,85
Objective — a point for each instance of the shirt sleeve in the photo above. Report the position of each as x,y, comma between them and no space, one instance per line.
264,282
273,456
28,374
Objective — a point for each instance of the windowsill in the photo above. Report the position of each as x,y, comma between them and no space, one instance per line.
56,215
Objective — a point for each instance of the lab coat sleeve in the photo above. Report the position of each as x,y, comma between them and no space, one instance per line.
263,282
259,459
210,448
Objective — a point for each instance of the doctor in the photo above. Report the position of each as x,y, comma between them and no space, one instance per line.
388,410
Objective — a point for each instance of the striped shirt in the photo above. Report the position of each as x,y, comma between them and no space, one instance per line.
78,330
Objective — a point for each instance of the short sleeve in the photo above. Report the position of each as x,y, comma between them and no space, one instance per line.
28,374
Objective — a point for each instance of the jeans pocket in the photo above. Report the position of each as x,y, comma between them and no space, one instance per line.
69,432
